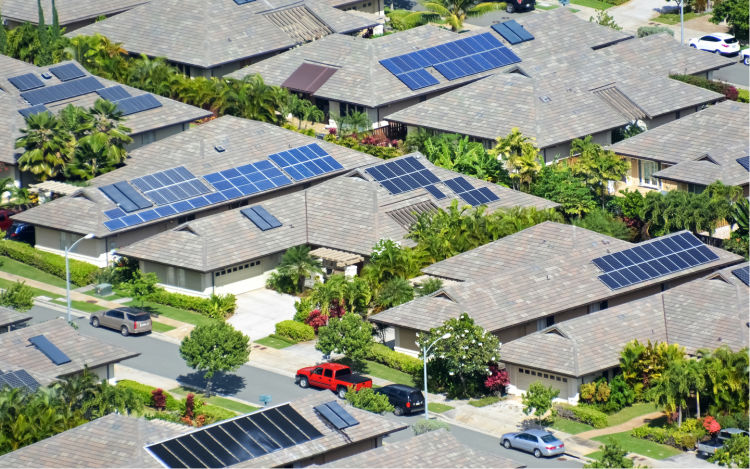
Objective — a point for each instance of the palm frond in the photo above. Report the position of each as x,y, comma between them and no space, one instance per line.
484,8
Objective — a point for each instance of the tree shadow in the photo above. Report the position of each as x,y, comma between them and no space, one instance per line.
222,383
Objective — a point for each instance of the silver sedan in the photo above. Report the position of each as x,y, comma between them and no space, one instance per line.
539,442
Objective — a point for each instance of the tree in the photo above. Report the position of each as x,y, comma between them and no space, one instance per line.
596,165
298,264
354,122
45,142
455,12
602,221
428,286
612,456
520,156
215,346
734,12
538,399
734,453
605,19
641,364
141,285
350,335
672,389
457,153
556,182
726,379
108,132
18,296
459,364
394,292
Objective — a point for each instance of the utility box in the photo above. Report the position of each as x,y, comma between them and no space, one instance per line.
103,289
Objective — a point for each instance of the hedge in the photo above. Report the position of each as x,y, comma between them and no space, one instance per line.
729,91
295,331
583,414
144,393
381,354
81,273
204,306
683,438
644,31
215,413
424,426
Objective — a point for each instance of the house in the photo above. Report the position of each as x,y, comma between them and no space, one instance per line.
558,98
72,14
179,179
211,39
342,218
376,7
359,80
433,449
11,319
543,275
704,313
690,153
53,350
27,89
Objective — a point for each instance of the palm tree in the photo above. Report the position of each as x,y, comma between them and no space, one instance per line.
394,292
249,97
596,165
308,112
455,12
354,122
672,389
697,376
299,264
520,155
108,132
45,142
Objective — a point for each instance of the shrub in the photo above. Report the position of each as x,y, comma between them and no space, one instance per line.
602,392
81,273
424,426
587,391
683,438
644,31
157,399
303,306
281,283
295,331
497,380
18,296
384,355
733,421
583,414
621,395
214,413
144,393
217,307
368,399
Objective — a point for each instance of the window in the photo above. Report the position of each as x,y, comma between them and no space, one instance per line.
557,378
696,188
328,373
526,371
594,307
646,170
115,314
546,376
565,380
520,370
349,108
533,373
550,321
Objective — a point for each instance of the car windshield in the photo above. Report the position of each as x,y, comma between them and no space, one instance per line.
548,438
416,396
731,40
138,316
344,372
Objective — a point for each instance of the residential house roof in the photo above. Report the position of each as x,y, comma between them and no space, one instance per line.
429,450
83,351
244,141
209,34
349,213
11,317
719,164
114,440
537,272
170,113
68,11
703,313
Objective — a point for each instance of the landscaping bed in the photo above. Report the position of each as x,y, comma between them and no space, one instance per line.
632,444
674,18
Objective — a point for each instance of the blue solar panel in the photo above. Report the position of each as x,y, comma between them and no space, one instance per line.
743,274
113,93
653,259
28,81
518,30
260,216
336,415
469,194
49,349
402,175
69,89
507,34
242,2
171,185
417,79
114,213
304,162
67,72
30,111
745,162
19,379
136,104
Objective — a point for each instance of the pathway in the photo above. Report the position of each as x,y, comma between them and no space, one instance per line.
623,427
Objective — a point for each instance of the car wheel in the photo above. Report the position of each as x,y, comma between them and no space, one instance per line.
341,392
746,60
693,46
398,411
537,453
95,322
506,443
124,331
509,7
303,383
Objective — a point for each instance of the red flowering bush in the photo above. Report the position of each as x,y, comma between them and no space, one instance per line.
711,425
332,131
316,319
497,380
189,405
158,398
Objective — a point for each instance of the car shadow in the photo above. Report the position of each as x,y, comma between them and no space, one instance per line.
222,383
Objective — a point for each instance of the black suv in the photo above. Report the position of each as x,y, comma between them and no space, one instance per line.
519,5
404,399
22,232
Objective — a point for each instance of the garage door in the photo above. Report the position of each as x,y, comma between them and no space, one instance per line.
526,376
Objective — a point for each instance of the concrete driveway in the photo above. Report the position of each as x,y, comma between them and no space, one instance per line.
258,312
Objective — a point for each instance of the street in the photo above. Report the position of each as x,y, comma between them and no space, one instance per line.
248,383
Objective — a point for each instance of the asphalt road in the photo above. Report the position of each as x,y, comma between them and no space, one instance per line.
737,74
248,383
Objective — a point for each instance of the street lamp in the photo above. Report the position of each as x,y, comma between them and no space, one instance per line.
425,351
67,268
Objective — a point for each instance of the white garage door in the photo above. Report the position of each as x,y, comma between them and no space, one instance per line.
526,376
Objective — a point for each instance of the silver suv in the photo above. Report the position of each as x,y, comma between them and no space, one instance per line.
126,320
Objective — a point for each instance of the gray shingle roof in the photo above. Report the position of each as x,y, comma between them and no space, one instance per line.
321,215
552,263
11,121
111,441
433,449
703,313
208,34
245,141
9,317
82,350
68,11
720,164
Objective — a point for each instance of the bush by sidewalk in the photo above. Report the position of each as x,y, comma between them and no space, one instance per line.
583,414
81,273
400,361
295,331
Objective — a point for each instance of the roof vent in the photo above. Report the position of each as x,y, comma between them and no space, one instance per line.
220,148
46,75
545,99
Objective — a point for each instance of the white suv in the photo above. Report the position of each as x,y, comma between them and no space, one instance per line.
718,43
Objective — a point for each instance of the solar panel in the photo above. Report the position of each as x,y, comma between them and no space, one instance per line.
402,175
19,379
30,111
518,30
136,104
437,193
128,191
69,89
113,93
654,259
260,216
474,197
306,162
171,185
743,274
126,198
507,34
242,2
336,415
745,162
67,72
49,349
25,82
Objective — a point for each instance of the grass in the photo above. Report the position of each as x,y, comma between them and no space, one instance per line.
438,408
485,401
639,446
381,371
570,426
37,292
547,7
170,312
223,402
743,96
596,4
274,341
112,297
574,10
80,305
161,327
596,455
631,412
674,18
12,266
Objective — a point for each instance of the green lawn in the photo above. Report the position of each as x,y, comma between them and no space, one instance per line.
112,297
274,341
80,305
485,401
383,372
639,446
229,404
547,7
631,412
574,10
674,18
438,408
161,327
170,312
37,292
595,455
596,4
570,426
12,266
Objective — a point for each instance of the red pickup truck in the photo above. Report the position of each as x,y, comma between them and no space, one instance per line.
334,376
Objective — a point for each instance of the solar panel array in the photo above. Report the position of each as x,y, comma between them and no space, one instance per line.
262,219
25,82
463,188
18,379
30,111
126,198
69,89
652,260
437,193
743,273
745,162
306,162
234,441
247,179
336,414
456,59
171,185
512,32
402,175
113,93
67,72
49,349
138,103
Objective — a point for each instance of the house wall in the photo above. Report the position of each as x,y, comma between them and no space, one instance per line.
405,341
633,178
368,6
521,377
150,136
10,171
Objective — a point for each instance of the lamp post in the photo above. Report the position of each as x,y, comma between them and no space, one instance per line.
425,351
67,268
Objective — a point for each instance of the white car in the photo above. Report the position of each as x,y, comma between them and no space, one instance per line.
745,56
718,43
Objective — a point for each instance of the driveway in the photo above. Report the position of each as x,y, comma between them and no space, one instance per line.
258,312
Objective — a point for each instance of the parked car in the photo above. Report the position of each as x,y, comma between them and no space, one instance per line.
745,56
404,399
5,221
707,448
126,320
539,442
520,5
22,232
718,43
334,376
